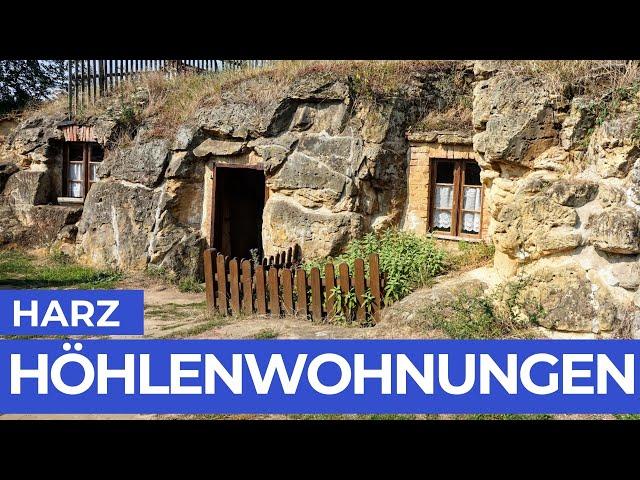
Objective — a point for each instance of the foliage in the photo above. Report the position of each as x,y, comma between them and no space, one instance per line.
24,81
506,416
345,305
190,285
22,270
266,334
504,313
255,257
627,416
407,260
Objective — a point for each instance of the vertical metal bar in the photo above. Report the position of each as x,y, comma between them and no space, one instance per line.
69,91
75,84
95,80
82,84
101,77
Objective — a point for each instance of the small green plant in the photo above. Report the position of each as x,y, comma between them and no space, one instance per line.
155,271
255,258
266,334
190,285
345,306
627,416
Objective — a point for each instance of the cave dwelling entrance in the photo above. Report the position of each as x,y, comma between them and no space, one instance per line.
238,197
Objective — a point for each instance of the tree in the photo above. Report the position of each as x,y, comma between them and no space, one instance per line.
22,81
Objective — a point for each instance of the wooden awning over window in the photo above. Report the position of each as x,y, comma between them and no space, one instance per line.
79,133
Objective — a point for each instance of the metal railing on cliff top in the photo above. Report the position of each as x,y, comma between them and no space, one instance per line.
90,79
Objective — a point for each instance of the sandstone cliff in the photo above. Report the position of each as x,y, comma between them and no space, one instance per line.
562,186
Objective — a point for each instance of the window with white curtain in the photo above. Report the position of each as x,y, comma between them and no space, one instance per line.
456,198
81,162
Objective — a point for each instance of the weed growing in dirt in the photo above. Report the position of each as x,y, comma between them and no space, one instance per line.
627,416
506,416
190,285
504,313
266,334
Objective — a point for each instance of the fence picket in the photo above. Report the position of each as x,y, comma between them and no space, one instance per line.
358,280
274,292
209,269
230,287
221,276
302,305
234,286
316,295
261,300
374,284
287,291
247,288
330,283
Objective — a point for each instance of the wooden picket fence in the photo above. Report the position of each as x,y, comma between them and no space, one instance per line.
279,286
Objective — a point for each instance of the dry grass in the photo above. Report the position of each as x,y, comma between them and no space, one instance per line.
593,78
172,102
456,117
166,103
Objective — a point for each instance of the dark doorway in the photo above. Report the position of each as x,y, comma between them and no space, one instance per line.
239,201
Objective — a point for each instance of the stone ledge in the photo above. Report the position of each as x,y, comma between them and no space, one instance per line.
442,137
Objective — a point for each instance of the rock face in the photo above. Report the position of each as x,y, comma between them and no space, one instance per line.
334,167
562,192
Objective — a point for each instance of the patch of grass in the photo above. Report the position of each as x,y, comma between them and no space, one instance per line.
20,269
266,334
627,416
309,416
476,315
506,416
470,255
190,285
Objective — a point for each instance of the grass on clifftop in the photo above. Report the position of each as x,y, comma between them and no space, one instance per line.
19,269
170,102
592,78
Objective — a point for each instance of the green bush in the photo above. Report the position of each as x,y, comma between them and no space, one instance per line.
407,260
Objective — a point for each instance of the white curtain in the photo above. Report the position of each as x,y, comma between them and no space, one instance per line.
93,172
442,219
444,196
75,171
75,190
444,201
472,201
